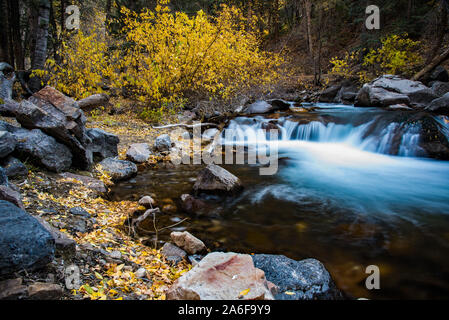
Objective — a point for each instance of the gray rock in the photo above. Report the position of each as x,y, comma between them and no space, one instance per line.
93,101
210,134
7,144
440,105
7,78
138,153
3,177
24,242
279,104
10,195
163,143
390,90
8,108
216,179
60,117
103,144
440,88
118,169
439,74
187,242
173,253
329,95
307,279
43,150
141,273
78,211
14,168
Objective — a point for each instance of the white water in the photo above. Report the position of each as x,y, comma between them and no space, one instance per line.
347,166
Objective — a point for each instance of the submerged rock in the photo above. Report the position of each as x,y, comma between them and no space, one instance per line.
298,280
222,276
192,205
24,242
118,170
216,179
187,242
138,152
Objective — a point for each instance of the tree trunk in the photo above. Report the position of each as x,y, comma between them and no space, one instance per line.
62,15
14,18
40,51
4,34
308,13
435,62
441,33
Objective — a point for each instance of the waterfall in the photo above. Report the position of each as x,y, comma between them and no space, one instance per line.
377,135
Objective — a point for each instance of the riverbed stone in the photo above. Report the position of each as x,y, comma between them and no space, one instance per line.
163,143
216,179
24,242
260,107
192,205
102,144
138,152
298,280
147,202
7,143
329,94
12,289
118,170
187,242
222,276
173,253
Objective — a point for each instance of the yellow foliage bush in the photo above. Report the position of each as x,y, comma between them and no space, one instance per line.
161,58
173,55
397,55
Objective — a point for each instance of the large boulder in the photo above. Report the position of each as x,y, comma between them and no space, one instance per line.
7,78
42,150
188,242
58,116
298,280
440,105
390,90
138,152
222,276
24,242
118,170
216,179
440,88
103,144
8,108
7,144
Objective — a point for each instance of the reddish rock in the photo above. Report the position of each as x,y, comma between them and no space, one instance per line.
222,276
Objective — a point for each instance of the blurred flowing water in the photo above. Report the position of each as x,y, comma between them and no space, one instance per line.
353,189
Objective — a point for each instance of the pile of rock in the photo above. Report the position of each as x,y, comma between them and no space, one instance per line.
53,133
